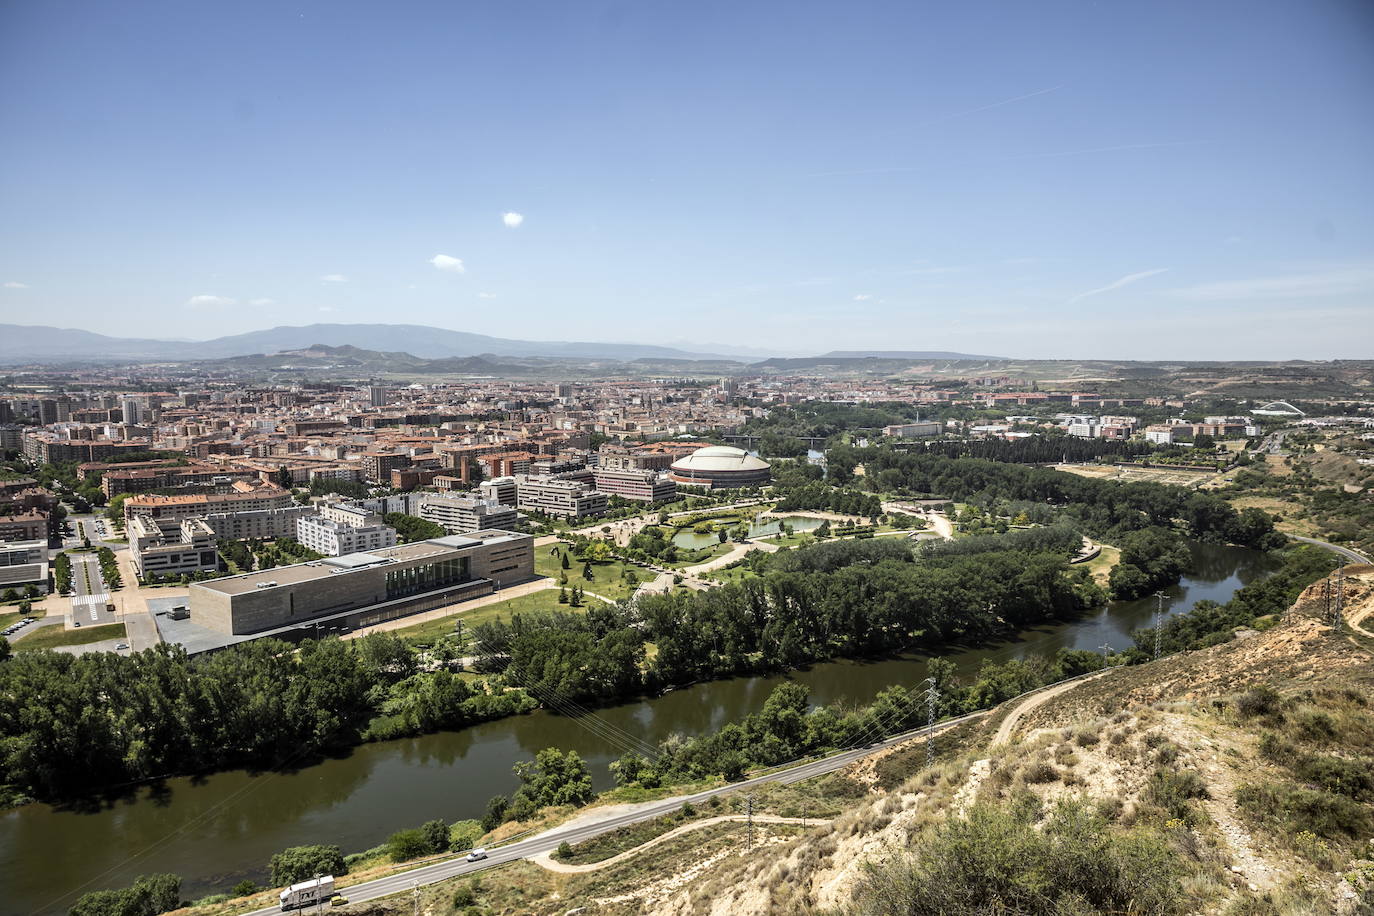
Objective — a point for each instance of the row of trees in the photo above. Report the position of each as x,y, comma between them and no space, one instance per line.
840,598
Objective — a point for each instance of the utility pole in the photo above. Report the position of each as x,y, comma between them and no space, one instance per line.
749,813
1159,620
932,696
415,897
1106,650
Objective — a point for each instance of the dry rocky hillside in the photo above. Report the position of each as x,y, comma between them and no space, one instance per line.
1237,781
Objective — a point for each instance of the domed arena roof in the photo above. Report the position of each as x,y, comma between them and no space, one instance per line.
720,458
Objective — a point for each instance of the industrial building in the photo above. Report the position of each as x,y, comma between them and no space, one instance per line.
363,589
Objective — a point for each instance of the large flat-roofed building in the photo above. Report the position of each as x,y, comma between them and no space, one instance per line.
24,526
24,563
463,514
641,486
562,498
167,547
363,589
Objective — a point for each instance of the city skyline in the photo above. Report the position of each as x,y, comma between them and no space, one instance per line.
1169,182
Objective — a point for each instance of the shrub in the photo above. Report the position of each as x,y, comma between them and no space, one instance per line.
1258,701
244,888
1293,809
436,834
300,863
996,861
1174,790
149,896
564,851
404,845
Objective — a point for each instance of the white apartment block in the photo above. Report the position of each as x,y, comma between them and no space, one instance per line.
334,539
465,514
561,498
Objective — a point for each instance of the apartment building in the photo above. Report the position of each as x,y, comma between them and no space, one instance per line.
24,526
640,486
501,489
171,547
242,496
334,538
257,524
463,514
561,498
377,466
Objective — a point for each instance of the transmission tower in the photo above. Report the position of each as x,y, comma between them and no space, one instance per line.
1159,620
932,695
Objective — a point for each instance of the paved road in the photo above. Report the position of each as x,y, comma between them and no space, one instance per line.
549,841
89,593
1345,552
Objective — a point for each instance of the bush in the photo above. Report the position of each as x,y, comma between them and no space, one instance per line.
466,895
301,863
436,834
996,861
1292,809
404,845
1258,701
244,889
464,834
564,852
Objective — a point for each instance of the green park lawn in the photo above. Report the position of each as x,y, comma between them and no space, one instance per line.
607,576
52,637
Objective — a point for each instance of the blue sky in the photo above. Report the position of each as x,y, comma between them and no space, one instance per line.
1143,180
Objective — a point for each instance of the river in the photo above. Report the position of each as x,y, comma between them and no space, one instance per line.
220,829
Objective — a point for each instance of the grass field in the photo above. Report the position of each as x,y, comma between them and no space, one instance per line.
607,577
1101,565
52,637
1177,476
426,633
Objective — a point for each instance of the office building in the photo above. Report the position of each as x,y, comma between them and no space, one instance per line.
363,589
24,564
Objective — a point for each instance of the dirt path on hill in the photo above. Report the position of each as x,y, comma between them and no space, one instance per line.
1008,726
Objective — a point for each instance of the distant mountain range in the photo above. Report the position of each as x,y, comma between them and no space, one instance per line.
902,354
24,343
33,343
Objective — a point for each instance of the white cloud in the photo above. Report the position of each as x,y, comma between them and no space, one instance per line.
1291,286
262,302
486,295
15,284
862,297
1117,284
334,278
450,264
210,302
512,219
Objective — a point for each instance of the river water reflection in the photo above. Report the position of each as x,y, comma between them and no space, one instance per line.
217,830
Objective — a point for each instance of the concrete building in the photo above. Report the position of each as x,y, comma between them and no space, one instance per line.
1159,435
334,538
363,589
171,547
641,486
914,430
24,563
463,514
501,489
561,498
721,466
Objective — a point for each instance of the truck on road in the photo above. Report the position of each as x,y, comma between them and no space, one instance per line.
307,893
